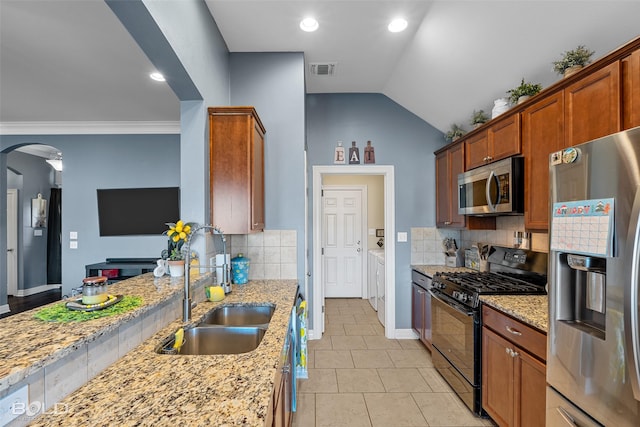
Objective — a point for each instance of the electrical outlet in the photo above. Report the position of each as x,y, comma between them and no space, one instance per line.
73,244
73,235
402,236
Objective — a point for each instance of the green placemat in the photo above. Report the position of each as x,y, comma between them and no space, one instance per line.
60,313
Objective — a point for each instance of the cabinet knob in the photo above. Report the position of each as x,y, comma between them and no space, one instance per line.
447,223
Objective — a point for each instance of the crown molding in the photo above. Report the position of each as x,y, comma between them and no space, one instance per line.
88,128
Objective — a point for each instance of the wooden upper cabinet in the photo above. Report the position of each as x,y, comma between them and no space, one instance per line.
542,134
499,141
477,149
504,138
449,164
593,105
631,90
236,169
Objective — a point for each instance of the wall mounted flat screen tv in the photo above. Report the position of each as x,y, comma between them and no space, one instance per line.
137,211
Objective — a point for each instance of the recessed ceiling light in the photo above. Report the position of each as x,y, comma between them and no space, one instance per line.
309,25
157,77
397,25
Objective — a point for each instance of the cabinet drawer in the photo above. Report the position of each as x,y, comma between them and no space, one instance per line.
530,339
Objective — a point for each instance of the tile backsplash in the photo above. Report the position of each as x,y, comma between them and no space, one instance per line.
272,253
426,242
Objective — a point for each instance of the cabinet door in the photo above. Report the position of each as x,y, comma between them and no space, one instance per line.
456,167
530,399
443,196
477,150
542,134
593,106
498,379
631,90
257,179
504,138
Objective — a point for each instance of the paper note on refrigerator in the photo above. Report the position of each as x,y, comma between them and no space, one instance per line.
584,227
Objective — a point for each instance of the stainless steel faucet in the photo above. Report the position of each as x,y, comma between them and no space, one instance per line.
186,302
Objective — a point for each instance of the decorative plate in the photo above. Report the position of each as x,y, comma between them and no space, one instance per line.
78,305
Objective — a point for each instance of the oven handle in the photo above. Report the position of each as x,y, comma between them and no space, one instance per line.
454,305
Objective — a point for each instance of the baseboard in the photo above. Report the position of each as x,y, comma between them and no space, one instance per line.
4,309
405,334
36,290
400,334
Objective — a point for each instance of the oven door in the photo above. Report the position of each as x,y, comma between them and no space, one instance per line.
455,339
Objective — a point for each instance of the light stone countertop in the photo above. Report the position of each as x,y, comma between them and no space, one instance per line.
430,270
31,344
146,388
530,309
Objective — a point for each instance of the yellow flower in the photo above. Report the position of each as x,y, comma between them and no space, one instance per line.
178,234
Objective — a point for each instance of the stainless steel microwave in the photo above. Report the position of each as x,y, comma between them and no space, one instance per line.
493,189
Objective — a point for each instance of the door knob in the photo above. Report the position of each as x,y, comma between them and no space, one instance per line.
358,250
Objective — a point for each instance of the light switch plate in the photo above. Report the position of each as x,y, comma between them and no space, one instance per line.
73,235
372,232
73,244
402,236
37,232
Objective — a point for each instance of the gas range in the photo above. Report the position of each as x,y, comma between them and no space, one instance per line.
455,313
512,271
466,287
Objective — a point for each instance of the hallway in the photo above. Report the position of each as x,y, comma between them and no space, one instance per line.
357,377
20,304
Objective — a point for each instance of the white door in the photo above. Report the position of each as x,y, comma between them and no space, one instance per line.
342,243
12,241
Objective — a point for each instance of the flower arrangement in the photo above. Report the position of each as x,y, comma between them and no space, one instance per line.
178,234
455,133
578,57
524,89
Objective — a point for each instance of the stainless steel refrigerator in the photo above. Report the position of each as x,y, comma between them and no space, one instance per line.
593,360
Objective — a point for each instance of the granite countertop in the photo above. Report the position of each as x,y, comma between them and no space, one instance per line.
530,309
35,344
144,387
430,270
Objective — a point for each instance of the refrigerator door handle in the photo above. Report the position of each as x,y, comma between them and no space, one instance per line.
632,298
568,418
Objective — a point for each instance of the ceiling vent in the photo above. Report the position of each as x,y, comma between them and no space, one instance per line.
323,68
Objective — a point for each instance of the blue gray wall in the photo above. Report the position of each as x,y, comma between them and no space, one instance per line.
32,176
401,139
274,84
106,161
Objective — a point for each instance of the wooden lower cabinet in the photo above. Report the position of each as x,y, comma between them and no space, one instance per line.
513,378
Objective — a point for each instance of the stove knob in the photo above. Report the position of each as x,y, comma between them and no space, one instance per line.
463,297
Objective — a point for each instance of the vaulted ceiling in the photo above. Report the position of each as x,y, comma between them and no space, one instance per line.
73,61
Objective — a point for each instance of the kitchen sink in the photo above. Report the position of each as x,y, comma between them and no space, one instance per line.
240,315
203,340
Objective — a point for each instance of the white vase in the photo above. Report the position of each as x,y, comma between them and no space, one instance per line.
176,268
499,106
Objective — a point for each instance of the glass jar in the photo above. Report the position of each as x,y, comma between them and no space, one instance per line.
94,290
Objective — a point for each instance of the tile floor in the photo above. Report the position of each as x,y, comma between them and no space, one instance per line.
357,377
